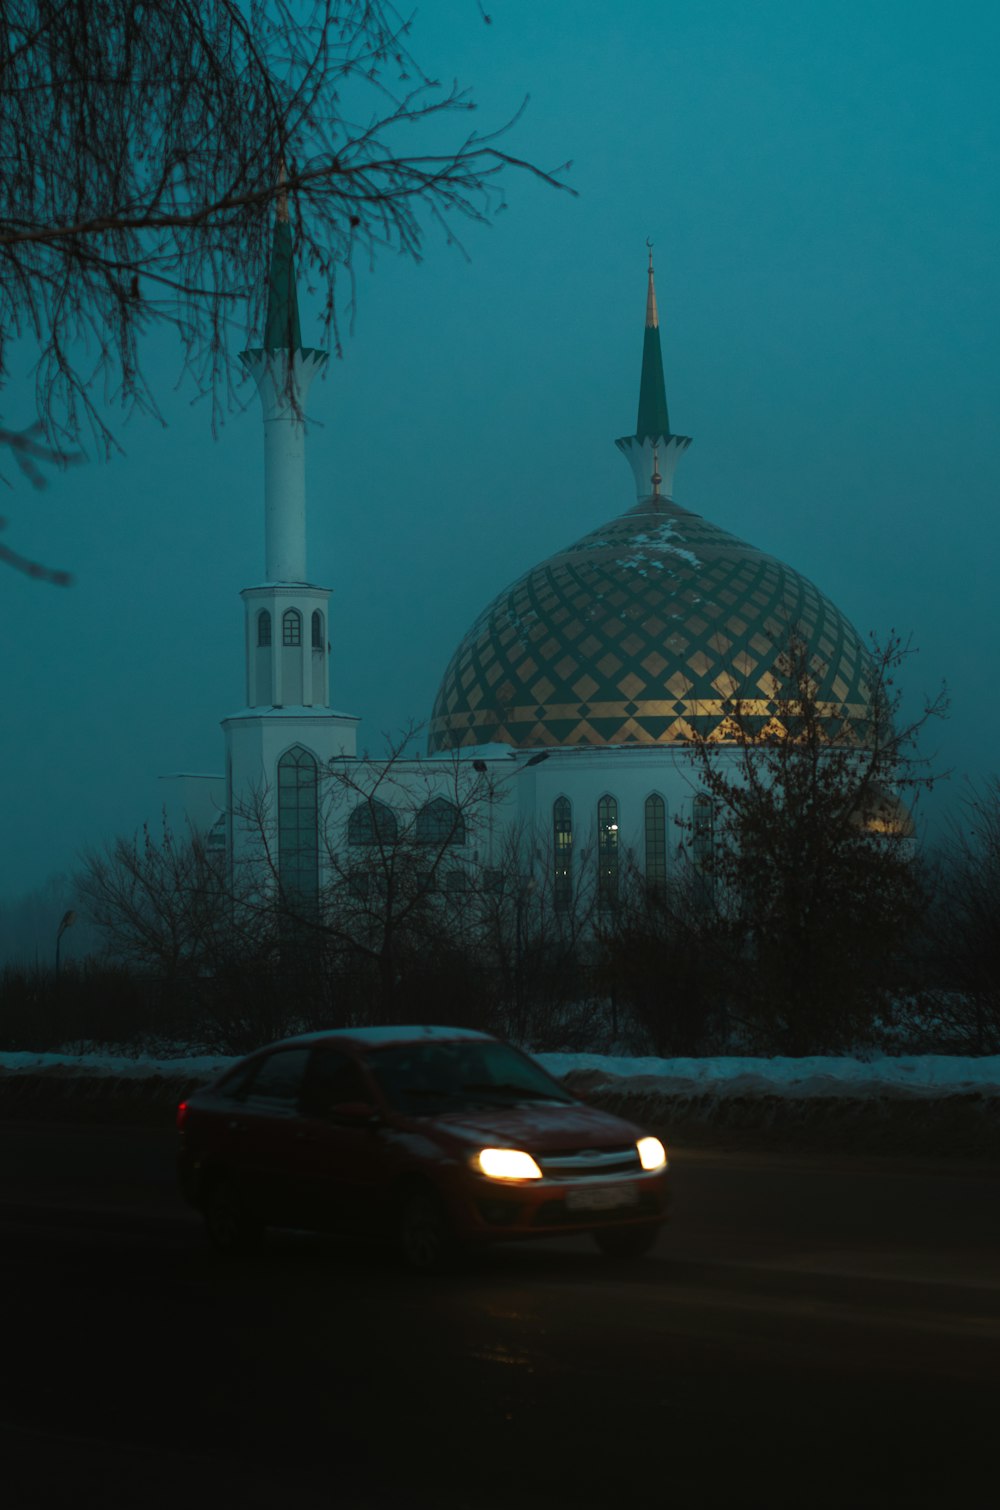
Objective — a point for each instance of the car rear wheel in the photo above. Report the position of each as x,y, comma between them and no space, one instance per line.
627,1242
231,1227
427,1243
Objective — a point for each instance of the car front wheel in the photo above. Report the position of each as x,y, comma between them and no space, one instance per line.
627,1242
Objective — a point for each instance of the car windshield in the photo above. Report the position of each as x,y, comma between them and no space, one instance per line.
422,1078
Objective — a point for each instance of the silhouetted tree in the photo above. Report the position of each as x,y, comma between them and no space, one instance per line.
142,145
965,939
813,875
162,905
667,954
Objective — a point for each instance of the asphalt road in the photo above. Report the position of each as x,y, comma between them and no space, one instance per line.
807,1333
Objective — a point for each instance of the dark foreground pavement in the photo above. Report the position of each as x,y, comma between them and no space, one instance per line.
808,1333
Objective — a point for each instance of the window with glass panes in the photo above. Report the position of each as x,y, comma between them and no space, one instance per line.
562,853
656,842
298,831
607,852
440,822
370,823
291,627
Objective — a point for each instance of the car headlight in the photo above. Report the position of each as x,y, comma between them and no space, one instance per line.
652,1154
507,1164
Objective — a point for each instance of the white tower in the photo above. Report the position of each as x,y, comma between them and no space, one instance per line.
286,724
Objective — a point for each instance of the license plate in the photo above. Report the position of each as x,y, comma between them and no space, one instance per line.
601,1197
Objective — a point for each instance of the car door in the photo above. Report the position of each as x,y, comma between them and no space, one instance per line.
341,1170
263,1130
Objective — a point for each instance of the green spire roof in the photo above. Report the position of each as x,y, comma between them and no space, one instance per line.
282,331
653,419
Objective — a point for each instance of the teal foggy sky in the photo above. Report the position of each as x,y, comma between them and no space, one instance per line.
820,182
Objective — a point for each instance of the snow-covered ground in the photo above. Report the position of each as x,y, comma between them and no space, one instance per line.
923,1075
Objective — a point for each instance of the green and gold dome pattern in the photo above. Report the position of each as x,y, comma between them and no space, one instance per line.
643,633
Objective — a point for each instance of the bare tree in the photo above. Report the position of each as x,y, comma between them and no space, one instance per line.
812,872
142,145
666,957
209,952
537,940
397,868
162,904
386,900
965,934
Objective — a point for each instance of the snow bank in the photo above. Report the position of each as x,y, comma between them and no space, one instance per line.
930,1075
204,1067
923,1075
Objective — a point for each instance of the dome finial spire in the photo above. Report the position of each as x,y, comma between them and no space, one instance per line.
653,419
652,318
653,450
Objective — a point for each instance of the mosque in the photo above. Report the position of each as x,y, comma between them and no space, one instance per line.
568,711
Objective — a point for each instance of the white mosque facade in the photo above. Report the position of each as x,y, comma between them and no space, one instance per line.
568,712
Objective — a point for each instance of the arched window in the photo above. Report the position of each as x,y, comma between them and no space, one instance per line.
318,638
263,627
656,842
607,852
291,627
372,822
562,853
298,830
703,834
440,822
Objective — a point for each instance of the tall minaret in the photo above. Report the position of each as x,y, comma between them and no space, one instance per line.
286,730
652,451
287,629
283,370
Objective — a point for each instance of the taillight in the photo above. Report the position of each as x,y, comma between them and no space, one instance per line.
182,1112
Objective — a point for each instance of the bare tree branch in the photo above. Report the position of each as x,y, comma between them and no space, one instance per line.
142,146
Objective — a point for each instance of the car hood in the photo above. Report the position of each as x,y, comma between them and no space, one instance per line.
539,1126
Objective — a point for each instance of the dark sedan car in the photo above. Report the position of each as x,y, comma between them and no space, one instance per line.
440,1138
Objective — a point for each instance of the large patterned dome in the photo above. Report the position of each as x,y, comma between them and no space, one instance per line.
642,633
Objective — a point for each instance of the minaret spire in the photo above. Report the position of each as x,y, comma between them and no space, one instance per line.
653,450
282,330
283,370
652,420
652,318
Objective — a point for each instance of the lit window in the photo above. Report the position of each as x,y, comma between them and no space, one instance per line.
607,852
317,630
264,628
440,822
291,627
372,822
298,831
562,853
656,842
